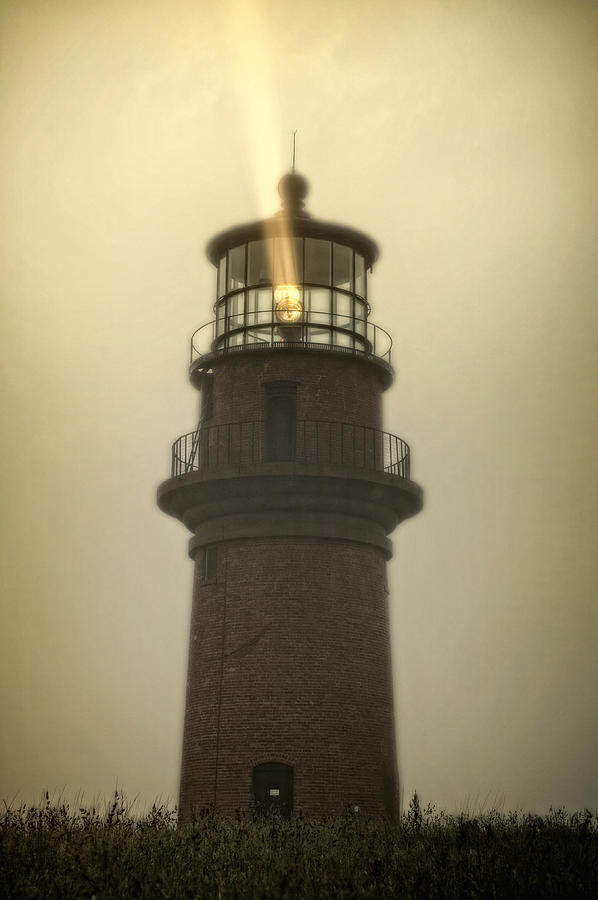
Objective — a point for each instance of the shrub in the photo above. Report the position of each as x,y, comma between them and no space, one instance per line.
52,851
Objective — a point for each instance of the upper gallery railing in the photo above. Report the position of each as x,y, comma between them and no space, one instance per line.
309,442
316,331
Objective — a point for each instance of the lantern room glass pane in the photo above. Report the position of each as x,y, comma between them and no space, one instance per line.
287,260
343,309
235,308
235,340
319,305
342,261
259,262
360,310
264,305
236,268
220,314
342,339
222,277
235,304
360,326
259,336
317,261
298,257
319,335
359,275
251,308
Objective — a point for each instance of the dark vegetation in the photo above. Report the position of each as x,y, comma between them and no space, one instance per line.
52,851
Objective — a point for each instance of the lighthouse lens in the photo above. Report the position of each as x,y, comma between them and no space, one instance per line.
287,303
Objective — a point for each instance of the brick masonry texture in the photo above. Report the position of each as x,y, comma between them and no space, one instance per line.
289,654
330,387
289,660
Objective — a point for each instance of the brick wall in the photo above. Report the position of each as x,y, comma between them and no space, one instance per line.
330,387
289,661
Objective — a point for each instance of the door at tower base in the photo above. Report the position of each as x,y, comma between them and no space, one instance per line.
273,789
289,663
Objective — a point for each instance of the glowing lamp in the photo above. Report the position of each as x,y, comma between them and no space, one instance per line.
287,303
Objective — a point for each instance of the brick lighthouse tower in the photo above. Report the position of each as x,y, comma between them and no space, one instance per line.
289,487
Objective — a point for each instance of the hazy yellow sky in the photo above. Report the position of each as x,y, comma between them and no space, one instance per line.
463,137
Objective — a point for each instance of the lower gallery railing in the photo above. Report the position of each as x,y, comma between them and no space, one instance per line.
302,441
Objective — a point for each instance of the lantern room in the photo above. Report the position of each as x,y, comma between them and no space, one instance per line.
291,282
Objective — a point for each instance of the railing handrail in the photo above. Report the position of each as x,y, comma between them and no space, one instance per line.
210,446
373,335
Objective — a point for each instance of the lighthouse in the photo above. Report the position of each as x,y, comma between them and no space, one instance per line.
290,487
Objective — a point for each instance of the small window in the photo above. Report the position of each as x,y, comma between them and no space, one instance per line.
209,570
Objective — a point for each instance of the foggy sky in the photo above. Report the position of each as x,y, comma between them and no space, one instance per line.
463,137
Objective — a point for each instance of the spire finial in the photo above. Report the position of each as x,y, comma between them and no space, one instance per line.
294,133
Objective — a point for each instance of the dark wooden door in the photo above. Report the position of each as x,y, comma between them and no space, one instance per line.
273,789
281,421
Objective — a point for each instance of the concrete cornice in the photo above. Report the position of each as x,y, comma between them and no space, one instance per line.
288,499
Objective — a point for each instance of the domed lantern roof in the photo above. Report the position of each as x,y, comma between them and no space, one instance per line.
293,189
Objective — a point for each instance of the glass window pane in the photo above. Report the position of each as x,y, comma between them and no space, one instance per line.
259,262
222,277
236,268
236,321
251,308
259,336
235,304
342,258
318,335
360,310
298,257
360,326
235,340
220,313
264,305
285,261
342,340
319,305
317,261
343,305
359,275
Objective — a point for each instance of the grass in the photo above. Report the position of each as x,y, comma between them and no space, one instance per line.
52,851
